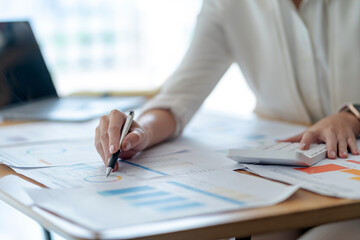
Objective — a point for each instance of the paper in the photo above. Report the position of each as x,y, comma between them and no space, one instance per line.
128,203
56,153
184,163
224,132
45,131
164,160
83,174
337,178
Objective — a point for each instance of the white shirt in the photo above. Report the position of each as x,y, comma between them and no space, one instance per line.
301,64
306,32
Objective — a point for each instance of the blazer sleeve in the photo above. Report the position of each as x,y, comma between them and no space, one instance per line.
207,59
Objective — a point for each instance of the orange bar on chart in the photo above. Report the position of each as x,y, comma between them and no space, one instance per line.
321,169
353,161
352,171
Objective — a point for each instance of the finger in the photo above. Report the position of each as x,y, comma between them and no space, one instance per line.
128,154
342,146
308,138
133,139
104,137
116,167
116,121
352,145
98,145
331,145
296,138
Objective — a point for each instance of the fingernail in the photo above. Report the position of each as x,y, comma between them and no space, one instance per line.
127,146
332,154
302,145
356,152
112,148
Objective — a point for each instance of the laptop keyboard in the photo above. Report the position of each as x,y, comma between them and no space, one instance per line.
72,108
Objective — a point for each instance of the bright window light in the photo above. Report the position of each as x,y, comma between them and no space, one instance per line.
119,45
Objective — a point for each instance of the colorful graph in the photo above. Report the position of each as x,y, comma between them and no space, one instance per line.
321,169
102,179
164,200
332,168
353,161
210,194
352,171
125,191
156,199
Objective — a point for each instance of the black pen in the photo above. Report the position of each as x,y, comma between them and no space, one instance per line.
124,132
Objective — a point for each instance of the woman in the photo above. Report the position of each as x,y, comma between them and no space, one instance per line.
301,58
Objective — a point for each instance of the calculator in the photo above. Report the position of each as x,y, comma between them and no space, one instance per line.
280,153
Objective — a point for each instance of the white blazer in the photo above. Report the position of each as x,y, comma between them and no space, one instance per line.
302,65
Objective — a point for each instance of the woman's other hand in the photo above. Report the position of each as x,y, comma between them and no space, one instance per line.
338,131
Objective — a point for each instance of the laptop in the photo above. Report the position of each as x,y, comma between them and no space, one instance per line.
27,91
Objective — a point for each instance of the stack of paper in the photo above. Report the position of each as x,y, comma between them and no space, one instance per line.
188,176
337,178
128,202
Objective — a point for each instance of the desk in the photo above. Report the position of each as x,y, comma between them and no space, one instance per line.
303,209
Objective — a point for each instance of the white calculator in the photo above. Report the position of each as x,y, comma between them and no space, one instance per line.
282,153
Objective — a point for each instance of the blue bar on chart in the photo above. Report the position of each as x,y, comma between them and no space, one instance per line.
146,195
159,201
180,207
125,190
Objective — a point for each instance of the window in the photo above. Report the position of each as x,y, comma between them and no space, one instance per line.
120,45
108,45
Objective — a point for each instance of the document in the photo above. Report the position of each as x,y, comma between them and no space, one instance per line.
55,153
224,132
188,162
84,174
336,178
66,152
164,160
128,203
45,131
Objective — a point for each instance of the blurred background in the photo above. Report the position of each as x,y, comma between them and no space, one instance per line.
108,45
114,45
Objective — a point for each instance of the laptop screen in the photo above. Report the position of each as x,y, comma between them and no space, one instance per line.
23,73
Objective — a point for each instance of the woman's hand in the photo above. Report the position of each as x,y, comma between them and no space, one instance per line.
338,131
107,138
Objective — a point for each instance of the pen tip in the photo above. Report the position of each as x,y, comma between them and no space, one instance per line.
108,171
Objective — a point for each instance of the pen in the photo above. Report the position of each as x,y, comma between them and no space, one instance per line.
124,132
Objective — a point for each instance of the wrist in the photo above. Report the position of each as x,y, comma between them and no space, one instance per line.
352,108
353,121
